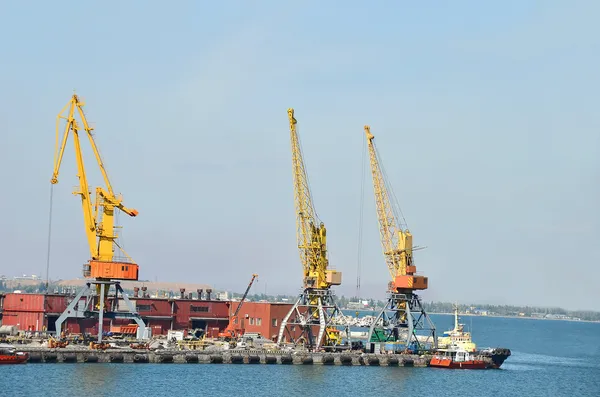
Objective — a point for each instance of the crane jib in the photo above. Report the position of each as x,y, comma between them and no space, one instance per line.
397,244
311,233
98,215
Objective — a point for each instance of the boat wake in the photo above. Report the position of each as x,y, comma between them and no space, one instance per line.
533,362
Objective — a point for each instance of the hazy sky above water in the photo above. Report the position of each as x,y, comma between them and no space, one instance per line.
485,115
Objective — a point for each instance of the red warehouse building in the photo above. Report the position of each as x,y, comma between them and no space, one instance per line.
264,318
32,312
180,314
39,312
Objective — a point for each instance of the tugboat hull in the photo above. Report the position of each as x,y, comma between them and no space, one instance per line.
498,356
461,359
443,362
18,358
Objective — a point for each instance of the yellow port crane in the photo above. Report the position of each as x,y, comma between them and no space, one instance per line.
98,216
315,306
311,232
397,243
403,316
103,266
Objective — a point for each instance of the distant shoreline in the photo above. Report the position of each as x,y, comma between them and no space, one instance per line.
497,316
523,317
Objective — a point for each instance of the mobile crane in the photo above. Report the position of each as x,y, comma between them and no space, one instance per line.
315,306
234,329
403,316
104,268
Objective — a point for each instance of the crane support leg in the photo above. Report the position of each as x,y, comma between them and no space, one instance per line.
322,324
132,311
403,319
72,311
314,308
80,308
284,322
101,313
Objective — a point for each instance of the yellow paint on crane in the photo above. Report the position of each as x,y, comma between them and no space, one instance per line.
311,233
397,244
98,216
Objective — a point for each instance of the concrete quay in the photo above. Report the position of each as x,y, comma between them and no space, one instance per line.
167,356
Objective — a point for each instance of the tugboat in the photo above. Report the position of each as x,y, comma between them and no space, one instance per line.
457,358
459,351
8,355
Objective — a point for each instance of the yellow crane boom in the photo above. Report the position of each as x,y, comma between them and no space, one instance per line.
309,320
396,242
311,233
98,216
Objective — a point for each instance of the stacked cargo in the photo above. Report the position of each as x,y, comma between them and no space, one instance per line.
394,347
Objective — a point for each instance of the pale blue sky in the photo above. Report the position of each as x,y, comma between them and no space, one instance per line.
485,114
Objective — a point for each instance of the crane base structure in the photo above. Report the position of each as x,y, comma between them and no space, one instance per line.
404,321
314,309
94,306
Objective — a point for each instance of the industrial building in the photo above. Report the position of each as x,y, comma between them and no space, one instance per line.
38,313
31,312
264,318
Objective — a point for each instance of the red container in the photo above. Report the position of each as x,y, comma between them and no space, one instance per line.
25,321
24,302
26,311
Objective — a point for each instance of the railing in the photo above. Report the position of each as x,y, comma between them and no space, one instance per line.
123,259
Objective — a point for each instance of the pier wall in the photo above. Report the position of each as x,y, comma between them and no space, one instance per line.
44,355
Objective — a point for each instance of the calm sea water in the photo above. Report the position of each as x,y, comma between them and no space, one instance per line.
550,358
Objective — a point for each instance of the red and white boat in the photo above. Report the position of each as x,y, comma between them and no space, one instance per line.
459,351
9,355
457,358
